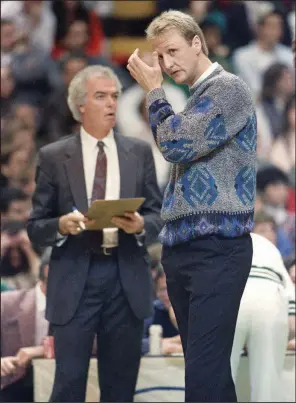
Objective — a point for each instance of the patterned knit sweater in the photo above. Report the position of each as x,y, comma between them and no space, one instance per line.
212,148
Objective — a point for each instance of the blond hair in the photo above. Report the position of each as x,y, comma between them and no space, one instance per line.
182,22
77,89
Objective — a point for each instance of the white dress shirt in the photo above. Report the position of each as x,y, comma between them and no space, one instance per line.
41,324
206,73
89,155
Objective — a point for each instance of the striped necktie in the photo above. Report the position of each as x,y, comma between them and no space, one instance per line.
95,238
99,186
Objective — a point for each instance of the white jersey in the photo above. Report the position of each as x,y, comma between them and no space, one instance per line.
268,264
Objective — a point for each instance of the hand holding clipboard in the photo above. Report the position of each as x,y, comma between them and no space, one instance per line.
101,212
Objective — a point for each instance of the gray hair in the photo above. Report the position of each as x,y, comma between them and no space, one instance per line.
77,89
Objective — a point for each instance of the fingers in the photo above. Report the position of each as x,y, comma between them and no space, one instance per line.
90,223
77,217
74,229
74,223
132,70
8,365
135,63
123,223
23,358
133,56
131,216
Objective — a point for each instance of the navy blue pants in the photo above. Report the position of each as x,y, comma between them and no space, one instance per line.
206,279
104,311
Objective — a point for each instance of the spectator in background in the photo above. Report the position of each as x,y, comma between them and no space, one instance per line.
35,73
34,17
238,22
252,60
266,226
182,5
273,184
291,19
27,178
19,260
69,11
263,321
218,52
13,163
23,327
18,134
8,40
277,88
283,150
7,93
4,286
15,205
75,41
124,28
76,38
61,121
171,342
199,10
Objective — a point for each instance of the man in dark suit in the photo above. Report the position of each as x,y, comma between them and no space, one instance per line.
99,281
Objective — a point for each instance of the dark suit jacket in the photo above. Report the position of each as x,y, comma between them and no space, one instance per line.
18,314
60,184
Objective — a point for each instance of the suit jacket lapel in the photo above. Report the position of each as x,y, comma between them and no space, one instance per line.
127,166
26,319
75,173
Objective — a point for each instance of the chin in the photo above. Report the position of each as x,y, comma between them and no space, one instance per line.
179,78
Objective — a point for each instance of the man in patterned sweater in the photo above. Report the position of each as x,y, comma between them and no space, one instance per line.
209,201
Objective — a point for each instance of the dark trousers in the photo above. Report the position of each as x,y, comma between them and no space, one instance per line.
19,391
103,310
206,279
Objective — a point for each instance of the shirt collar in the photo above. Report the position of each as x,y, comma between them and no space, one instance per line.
91,142
206,74
40,299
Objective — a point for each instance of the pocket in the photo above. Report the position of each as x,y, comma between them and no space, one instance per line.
230,246
216,241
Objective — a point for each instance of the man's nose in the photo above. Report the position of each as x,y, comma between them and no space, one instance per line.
111,101
167,62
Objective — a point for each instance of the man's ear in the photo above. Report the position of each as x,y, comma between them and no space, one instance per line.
81,108
196,43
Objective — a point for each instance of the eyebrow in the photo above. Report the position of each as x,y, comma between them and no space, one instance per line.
106,93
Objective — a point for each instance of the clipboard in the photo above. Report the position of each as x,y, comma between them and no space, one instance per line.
102,211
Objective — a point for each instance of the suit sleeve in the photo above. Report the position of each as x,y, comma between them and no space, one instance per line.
152,205
43,223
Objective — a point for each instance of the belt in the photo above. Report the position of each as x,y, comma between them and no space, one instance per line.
105,251
94,242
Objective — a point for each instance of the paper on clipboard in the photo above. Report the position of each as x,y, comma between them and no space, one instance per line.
102,211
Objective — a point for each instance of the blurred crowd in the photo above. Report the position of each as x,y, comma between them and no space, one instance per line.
45,43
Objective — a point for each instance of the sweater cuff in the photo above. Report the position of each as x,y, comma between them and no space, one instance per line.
154,95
